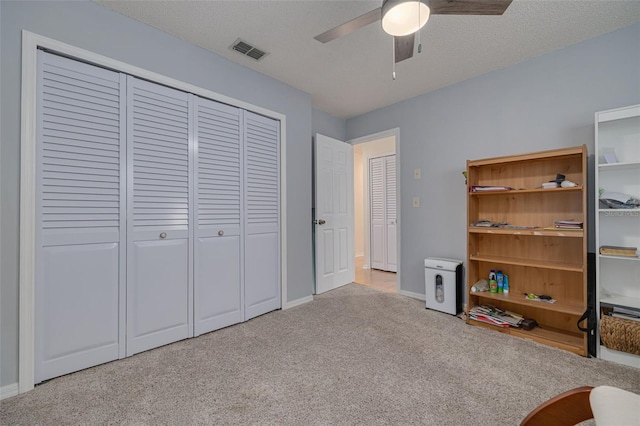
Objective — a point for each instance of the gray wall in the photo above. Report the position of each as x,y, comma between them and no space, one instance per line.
544,103
95,28
328,125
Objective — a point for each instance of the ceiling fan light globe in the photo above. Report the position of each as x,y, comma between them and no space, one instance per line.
400,17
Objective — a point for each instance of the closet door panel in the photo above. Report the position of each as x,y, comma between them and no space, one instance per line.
377,201
218,250
262,273
158,271
391,263
79,308
80,169
262,220
218,278
159,297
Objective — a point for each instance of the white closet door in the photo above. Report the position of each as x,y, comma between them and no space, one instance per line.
382,178
377,200
79,215
262,219
218,245
158,291
391,218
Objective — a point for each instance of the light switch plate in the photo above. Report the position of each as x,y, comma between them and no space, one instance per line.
417,173
416,201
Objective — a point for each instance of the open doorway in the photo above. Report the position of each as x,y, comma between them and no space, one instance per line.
376,211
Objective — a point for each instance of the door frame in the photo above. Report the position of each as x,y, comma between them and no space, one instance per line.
31,42
367,225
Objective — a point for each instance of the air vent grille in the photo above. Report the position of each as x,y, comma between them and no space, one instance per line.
247,49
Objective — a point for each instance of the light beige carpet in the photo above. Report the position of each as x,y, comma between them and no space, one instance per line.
354,355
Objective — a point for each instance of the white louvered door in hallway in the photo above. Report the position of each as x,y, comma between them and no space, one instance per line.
158,302
390,213
79,277
157,211
218,243
382,176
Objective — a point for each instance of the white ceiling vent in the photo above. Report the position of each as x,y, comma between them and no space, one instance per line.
247,49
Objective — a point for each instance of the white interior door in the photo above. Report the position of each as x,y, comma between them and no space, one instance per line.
79,277
382,189
334,221
158,290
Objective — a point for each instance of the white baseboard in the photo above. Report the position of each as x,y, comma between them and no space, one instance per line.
8,391
412,294
297,302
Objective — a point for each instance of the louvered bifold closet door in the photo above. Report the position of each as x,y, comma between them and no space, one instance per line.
390,213
80,166
218,243
262,218
377,203
158,290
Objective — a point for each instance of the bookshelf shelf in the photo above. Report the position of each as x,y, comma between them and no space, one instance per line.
536,259
618,166
622,301
572,342
519,299
538,232
620,212
527,191
532,263
627,258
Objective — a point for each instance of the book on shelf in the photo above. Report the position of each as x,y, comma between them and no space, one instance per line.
619,251
567,224
485,223
488,188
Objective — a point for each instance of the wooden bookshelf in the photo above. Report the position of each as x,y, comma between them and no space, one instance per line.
537,259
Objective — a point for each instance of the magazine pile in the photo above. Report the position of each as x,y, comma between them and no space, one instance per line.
495,316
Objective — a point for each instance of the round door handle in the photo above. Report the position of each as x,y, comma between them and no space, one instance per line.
220,233
320,221
163,235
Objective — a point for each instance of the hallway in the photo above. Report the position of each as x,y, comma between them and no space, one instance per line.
381,280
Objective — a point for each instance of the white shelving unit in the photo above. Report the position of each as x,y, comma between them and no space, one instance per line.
617,284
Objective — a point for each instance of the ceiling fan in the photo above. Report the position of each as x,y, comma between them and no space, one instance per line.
403,18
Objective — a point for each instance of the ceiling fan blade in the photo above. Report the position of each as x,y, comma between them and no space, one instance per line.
350,26
468,7
404,47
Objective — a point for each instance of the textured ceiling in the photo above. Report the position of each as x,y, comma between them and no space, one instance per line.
352,75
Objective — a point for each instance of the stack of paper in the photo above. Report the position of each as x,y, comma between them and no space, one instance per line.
567,224
495,316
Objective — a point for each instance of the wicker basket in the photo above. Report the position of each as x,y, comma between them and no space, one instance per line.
620,334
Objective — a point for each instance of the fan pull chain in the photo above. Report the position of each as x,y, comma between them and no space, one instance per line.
393,58
419,44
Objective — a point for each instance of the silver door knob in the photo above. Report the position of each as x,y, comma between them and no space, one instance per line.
220,233
163,235
320,221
